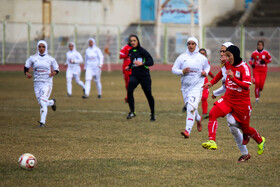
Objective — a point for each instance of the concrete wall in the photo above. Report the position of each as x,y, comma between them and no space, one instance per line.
209,10
107,12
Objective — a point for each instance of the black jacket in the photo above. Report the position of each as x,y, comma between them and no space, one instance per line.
140,52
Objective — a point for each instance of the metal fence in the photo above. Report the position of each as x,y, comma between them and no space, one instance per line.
18,40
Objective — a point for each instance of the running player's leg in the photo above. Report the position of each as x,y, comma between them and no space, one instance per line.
69,77
220,109
133,83
257,86
234,129
192,100
204,102
97,79
78,81
262,81
45,92
146,84
88,78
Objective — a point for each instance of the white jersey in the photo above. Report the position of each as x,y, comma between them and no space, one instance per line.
42,67
93,58
73,60
192,81
222,89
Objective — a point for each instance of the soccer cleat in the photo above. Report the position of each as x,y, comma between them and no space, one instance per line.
244,158
205,116
257,100
184,109
261,146
84,91
41,124
246,139
54,105
210,144
199,126
99,96
69,95
185,133
131,115
153,117
85,96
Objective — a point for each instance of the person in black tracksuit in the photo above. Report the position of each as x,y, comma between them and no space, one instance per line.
140,60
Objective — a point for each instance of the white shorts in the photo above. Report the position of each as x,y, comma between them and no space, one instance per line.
71,73
192,98
96,73
42,90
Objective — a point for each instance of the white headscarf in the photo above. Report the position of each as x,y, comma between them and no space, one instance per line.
46,45
74,46
227,44
195,41
91,39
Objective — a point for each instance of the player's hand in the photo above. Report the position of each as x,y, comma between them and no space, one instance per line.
126,68
203,74
28,75
53,73
138,63
262,62
207,85
230,73
186,70
253,65
100,66
213,96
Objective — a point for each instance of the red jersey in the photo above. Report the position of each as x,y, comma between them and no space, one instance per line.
237,88
124,54
257,57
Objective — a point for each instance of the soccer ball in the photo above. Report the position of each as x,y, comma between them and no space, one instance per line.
27,161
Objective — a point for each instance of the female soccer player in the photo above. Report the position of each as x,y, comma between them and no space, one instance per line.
235,101
232,123
44,68
140,74
193,67
259,60
93,64
124,54
73,60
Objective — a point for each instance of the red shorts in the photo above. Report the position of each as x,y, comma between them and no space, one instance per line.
241,112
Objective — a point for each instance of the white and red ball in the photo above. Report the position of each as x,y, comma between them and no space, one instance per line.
27,161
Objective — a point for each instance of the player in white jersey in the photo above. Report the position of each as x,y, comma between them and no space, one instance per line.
44,68
73,61
93,64
193,67
232,123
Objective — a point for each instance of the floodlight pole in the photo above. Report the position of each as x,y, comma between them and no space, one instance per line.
76,34
165,45
4,42
158,24
28,38
118,44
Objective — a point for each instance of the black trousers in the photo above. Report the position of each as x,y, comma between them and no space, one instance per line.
146,84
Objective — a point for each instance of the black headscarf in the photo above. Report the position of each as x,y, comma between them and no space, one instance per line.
133,35
236,54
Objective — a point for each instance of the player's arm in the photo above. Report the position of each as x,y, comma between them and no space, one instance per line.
79,58
27,65
251,61
55,68
268,58
101,58
243,84
124,52
176,68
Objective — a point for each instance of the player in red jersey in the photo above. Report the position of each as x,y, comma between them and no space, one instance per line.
259,60
205,92
124,54
235,101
